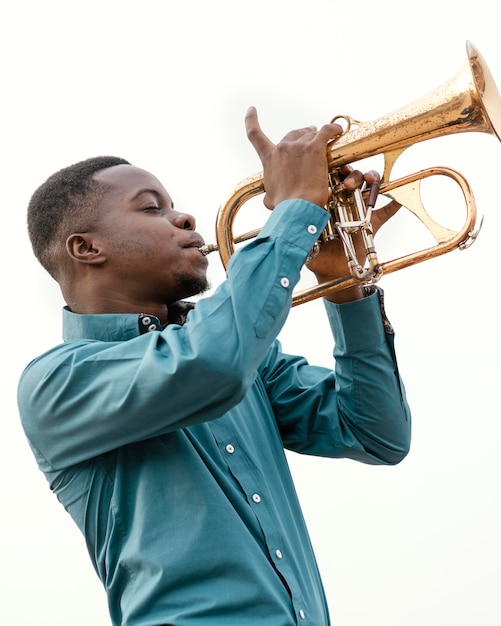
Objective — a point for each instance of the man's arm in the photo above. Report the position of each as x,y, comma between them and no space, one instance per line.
357,410
85,398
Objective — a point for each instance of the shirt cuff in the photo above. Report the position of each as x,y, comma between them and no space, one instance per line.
297,221
360,325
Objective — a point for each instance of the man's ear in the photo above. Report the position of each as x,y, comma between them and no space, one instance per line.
85,248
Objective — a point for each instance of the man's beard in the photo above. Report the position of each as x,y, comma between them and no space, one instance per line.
193,286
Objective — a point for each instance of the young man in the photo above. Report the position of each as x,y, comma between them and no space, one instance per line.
161,426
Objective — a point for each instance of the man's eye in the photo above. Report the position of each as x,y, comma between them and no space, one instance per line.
151,209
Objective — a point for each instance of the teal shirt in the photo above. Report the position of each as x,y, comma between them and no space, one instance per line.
166,446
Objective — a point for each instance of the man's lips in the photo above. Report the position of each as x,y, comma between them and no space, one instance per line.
199,244
195,243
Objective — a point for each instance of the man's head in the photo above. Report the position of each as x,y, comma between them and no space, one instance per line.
67,202
108,233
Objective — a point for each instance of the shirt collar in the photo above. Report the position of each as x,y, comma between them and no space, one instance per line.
118,326
107,326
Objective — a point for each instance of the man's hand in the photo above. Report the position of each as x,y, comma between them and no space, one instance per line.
331,262
296,167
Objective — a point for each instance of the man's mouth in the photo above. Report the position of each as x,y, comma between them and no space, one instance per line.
208,248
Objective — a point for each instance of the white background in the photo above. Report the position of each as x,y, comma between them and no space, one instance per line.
166,86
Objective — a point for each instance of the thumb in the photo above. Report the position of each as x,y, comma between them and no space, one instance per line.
262,145
382,215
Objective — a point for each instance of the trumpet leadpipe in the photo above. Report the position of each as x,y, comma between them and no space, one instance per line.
213,247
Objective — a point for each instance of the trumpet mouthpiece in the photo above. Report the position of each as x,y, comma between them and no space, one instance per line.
207,249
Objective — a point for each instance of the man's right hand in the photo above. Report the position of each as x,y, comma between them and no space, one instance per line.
297,166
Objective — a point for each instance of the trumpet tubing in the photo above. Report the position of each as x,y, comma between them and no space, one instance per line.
468,102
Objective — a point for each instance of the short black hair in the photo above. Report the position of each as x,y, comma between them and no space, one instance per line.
66,203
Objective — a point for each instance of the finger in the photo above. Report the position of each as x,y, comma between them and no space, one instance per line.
372,177
308,132
345,170
382,215
258,139
328,132
354,179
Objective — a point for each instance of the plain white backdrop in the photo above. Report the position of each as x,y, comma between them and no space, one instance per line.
166,86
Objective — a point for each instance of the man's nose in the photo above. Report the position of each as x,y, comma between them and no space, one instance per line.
184,221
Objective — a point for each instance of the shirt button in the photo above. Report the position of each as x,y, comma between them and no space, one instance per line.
230,449
256,497
279,554
302,614
146,320
152,327
285,282
312,229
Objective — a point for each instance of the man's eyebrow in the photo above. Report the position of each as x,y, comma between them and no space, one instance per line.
144,190
155,192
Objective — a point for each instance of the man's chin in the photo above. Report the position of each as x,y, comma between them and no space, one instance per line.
194,287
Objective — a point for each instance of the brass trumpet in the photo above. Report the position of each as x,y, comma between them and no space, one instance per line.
468,102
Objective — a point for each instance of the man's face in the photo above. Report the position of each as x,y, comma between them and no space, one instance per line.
151,250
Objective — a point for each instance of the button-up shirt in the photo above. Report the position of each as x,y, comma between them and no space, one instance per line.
166,445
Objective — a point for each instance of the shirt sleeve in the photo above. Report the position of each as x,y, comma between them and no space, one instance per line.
358,409
86,397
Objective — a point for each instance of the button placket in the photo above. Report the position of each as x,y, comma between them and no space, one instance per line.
148,323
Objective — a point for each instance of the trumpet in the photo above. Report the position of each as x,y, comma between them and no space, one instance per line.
468,102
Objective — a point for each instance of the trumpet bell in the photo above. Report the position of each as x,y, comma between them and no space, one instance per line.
468,102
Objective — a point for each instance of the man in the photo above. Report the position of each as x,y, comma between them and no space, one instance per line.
161,425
